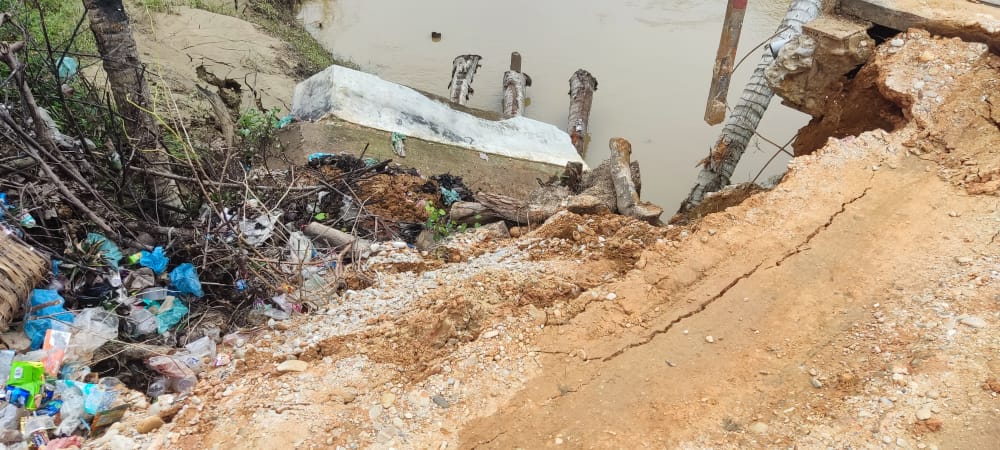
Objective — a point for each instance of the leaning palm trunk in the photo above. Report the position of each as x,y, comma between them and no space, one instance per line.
127,77
742,121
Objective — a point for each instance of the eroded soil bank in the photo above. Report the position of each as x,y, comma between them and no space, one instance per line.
855,305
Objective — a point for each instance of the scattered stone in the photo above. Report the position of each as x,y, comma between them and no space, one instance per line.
710,339
973,321
375,412
954,214
897,42
149,424
538,316
293,365
932,394
992,384
900,442
759,427
388,398
559,441
441,402
344,396
887,439
420,398
964,260
816,383
611,296
926,56
924,413
490,334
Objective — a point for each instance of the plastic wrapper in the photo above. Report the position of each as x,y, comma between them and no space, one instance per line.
169,314
300,248
71,412
143,322
55,346
99,397
6,359
8,417
25,384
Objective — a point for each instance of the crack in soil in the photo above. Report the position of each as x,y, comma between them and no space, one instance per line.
704,305
490,440
802,246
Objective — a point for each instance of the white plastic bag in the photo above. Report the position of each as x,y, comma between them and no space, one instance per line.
91,329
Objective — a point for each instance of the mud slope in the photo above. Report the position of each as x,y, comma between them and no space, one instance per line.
835,303
853,306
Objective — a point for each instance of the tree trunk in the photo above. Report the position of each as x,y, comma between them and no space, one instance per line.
127,78
626,195
338,239
463,70
514,83
470,213
742,122
581,97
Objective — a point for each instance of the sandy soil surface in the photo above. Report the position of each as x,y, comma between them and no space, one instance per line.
853,306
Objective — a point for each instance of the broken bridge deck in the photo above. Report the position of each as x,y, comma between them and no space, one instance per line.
968,20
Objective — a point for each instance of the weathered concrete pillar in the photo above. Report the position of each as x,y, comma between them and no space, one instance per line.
514,83
581,97
463,70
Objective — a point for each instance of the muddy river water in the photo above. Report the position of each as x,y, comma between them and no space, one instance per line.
652,59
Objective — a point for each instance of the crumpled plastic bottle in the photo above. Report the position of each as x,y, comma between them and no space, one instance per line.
158,387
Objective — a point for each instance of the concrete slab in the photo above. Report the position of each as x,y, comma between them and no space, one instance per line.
970,21
370,101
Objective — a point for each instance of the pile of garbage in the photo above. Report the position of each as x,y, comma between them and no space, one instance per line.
51,396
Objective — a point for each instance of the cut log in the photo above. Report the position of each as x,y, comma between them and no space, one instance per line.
581,97
512,209
336,238
725,59
514,83
469,213
625,193
463,70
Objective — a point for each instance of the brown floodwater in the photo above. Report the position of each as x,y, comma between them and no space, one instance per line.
652,58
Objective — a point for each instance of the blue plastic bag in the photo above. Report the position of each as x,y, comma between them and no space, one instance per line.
449,196
67,67
184,278
109,250
167,319
284,121
316,156
52,316
156,260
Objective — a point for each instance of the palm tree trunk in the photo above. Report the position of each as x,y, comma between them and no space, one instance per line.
746,115
127,77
